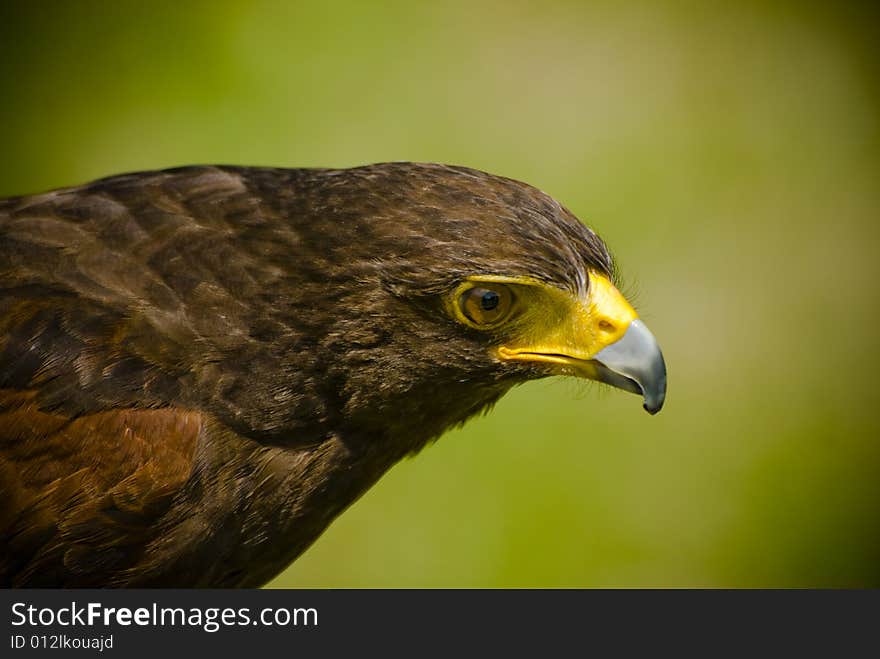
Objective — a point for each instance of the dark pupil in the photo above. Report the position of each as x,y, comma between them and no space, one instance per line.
489,300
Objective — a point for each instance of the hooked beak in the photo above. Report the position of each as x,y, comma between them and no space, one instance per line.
600,338
635,363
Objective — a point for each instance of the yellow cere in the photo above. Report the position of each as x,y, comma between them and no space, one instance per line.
548,324
609,311
570,330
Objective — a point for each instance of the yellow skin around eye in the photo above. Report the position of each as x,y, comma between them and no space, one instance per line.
548,324
594,335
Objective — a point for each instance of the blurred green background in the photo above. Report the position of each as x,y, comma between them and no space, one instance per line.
728,153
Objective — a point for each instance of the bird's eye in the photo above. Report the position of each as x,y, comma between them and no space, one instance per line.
486,306
489,300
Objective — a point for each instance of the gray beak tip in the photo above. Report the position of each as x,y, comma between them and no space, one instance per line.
637,358
653,409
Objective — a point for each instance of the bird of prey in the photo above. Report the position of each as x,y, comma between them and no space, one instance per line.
201,367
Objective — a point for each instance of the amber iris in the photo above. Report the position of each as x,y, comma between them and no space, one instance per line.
486,306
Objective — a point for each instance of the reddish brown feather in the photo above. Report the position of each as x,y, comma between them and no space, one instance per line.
91,487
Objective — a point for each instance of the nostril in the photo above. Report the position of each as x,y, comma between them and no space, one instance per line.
605,326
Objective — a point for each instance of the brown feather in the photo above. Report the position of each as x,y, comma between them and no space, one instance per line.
200,368
85,495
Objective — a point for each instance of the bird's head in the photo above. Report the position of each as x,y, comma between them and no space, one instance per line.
463,284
